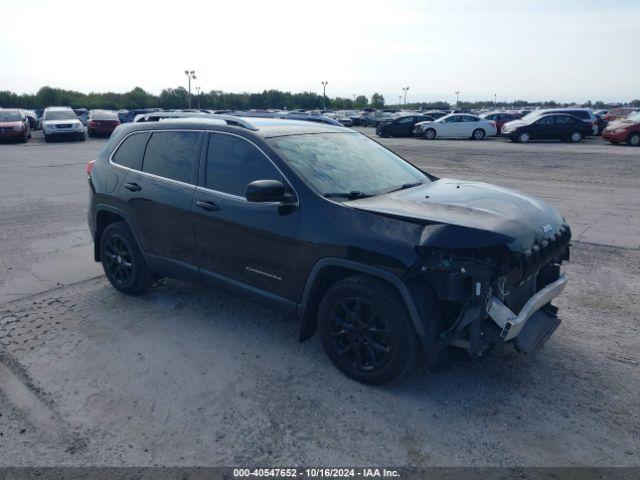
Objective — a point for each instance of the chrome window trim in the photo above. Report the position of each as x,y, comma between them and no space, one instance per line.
230,196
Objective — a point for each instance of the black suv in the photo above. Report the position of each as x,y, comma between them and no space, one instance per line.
388,262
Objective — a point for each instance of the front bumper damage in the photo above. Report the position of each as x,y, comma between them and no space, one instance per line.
535,322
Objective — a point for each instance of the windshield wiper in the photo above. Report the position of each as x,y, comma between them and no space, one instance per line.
405,186
354,194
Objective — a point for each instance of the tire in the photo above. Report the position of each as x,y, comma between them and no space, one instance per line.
575,137
82,137
429,134
366,332
24,138
524,137
478,134
633,139
47,139
122,260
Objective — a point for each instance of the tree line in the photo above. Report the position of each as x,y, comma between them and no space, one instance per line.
173,98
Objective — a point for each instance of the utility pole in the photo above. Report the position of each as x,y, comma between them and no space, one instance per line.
354,101
457,92
191,74
495,101
198,90
324,96
405,90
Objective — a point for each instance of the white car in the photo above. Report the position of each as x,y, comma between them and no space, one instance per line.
456,125
62,122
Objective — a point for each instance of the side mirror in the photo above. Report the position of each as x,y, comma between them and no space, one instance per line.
265,191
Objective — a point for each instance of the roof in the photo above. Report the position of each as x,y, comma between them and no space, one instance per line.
263,126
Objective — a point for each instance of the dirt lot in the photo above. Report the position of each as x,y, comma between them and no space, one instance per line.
184,375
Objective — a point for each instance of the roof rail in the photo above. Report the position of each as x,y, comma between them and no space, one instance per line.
228,119
235,121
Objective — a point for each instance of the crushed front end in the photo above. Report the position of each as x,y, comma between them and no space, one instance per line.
495,294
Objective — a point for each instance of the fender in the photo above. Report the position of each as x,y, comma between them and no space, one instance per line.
308,324
101,207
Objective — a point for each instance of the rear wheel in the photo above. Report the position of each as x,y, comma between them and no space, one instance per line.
122,260
634,139
429,134
24,138
524,137
366,331
47,138
478,134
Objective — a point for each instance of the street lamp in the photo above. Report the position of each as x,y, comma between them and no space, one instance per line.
399,100
354,100
457,92
198,90
405,90
324,95
191,74
495,102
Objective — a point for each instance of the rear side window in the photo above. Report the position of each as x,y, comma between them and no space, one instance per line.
580,114
233,163
131,150
171,155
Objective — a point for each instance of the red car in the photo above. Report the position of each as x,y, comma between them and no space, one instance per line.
14,125
500,118
102,123
626,130
618,113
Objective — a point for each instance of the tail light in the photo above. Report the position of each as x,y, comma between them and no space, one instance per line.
89,168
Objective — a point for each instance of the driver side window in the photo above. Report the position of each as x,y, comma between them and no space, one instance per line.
233,163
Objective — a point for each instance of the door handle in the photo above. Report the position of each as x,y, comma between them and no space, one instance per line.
133,187
209,206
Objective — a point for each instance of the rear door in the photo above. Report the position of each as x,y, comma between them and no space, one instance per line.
159,195
254,244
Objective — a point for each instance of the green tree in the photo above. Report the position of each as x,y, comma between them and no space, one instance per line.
635,103
361,101
377,100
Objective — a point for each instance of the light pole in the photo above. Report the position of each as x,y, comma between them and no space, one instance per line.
399,100
198,90
405,90
324,95
191,74
354,101
457,92
495,101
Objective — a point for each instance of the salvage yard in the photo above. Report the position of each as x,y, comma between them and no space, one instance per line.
184,375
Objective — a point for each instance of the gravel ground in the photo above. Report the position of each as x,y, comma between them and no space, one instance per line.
183,375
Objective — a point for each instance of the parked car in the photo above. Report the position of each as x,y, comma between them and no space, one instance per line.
32,117
307,117
14,125
340,118
372,119
61,122
500,118
82,114
584,114
102,123
400,126
624,131
259,206
555,126
456,125
618,113
435,114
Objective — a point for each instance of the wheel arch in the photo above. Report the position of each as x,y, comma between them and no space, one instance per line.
106,215
328,271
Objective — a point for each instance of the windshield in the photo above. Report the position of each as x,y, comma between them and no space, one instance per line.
60,115
634,117
104,115
345,163
9,116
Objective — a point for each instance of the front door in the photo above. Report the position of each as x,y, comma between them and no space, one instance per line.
254,244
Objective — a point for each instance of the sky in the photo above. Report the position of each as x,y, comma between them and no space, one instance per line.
564,50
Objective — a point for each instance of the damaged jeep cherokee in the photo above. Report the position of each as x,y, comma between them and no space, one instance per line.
388,263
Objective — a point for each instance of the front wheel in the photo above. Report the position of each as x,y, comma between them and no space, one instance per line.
366,331
524,137
634,139
122,260
429,134
478,134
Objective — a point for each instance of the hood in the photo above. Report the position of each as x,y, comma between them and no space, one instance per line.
459,213
515,123
10,124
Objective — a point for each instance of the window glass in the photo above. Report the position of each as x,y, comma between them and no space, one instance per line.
546,120
405,120
131,150
171,155
471,118
561,120
233,163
